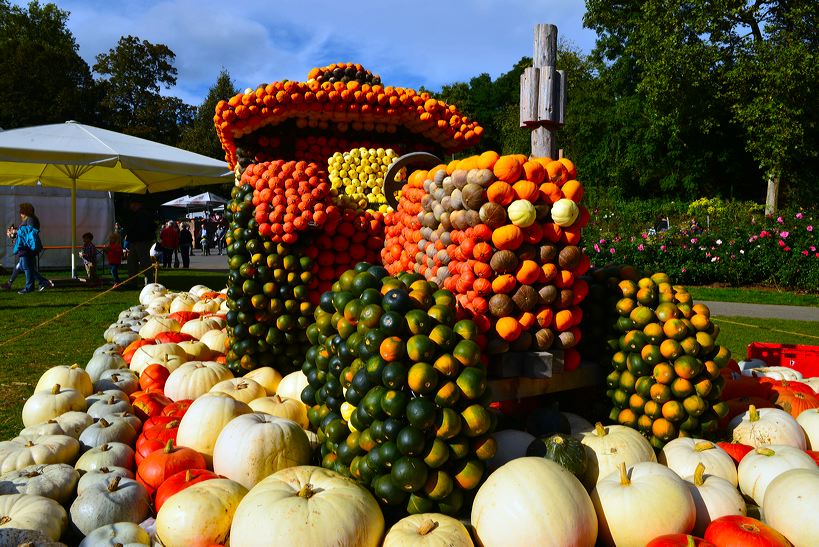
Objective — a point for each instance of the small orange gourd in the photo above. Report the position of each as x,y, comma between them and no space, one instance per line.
534,171
504,284
550,192
527,190
528,272
508,328
572,190
508,237
500,192
507,168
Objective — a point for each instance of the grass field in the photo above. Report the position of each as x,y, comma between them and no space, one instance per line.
74,331
737,332
754,296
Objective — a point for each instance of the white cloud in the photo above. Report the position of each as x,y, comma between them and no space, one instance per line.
428,43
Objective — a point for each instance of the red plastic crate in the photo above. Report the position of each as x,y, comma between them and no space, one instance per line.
804,359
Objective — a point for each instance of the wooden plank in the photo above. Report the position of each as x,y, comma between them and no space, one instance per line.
529,96
587,375
546,99
544,144
560,99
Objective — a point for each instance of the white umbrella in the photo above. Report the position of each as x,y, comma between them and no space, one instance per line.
73,155
207,199
181,201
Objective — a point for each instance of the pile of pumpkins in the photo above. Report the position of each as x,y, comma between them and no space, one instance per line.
503,234
155,442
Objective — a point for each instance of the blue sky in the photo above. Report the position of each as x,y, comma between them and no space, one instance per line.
409,44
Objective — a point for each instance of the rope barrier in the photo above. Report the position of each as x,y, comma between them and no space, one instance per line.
801,334
154,266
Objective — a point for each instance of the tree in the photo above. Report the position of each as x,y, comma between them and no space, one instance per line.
200,136
133,74
42,77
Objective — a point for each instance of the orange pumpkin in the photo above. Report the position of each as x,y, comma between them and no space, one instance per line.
508,328
528,272
534,171
573,190
570,168
507,168
500,192
549,272
550,192
556,172
527,190
504,284
527,320
487,159
508,237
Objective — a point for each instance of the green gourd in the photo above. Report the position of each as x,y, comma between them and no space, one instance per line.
564,450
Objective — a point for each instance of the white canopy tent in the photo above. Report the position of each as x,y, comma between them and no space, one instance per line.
77,156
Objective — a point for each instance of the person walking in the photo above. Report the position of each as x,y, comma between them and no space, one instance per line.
186,245
113,254
169,240
26,248
141,230
221,230
89,259
205,239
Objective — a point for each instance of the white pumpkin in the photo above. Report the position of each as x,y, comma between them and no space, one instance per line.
128,417
110,405
124,534
106,455
21,452
761,466
113,330
808,420
684,454
195,378
108,347
104,431
121,500
714,497
196,350
125,380
103,475
207,305
297,503
45,405
764,426
812,382
252,446
216,340
289,409
201,514
169,355
56,481
73,423
636,505
608,447
533,501
183,301
100,362
564,212
125,337
117,394
268,377
199,326
51,427
68,376
790,503
511,444
292,385
151,291
428,530
30,512
204,420
199,290
777,373
158,324
241,389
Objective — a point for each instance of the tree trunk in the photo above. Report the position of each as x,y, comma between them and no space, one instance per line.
772,199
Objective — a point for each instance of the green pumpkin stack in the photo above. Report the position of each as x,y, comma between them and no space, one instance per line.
397,390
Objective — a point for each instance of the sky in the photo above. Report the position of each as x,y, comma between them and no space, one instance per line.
422,43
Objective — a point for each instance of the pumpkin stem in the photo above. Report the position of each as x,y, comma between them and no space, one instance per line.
624,480
105,447
104,470
242,385
115,377
29,444
703,445
557,439
765,451
699,474
103,422
172,424
75,365
753,414
426,527
599,430
111,400
32,474
169,446
114,484
691,542
56,389
306,491
277,399
188,476
4,520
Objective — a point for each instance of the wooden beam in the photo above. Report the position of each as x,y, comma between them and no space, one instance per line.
529,96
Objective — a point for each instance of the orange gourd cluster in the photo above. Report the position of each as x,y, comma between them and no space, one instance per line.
482,227
351,102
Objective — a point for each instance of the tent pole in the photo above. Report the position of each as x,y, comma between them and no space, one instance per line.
73,226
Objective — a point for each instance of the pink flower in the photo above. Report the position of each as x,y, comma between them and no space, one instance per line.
812,248
779,220
641,247
784,235
645,236
809,228
662,247
786,249
781,243
806,253
596,248
684,270
800,216
602,242
693,240
612,251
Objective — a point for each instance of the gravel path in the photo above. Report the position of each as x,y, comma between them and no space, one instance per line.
765,311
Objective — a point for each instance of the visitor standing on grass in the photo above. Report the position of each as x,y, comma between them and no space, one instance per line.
205,239
27,246
89,258
169,240
221,231
113,254
141,230
185,245
11,233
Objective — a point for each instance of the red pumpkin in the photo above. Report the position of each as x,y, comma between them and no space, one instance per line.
154,377
179,481
784,385
131,348
150,404
739,531
183,317
161,427
737,451
795,402
160,465
145,447
173,337
813,454
678,540
177,409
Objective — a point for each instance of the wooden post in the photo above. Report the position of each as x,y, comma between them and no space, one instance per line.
772,197
543,93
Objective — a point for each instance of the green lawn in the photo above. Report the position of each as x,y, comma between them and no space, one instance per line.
74,331
753,296
737,332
